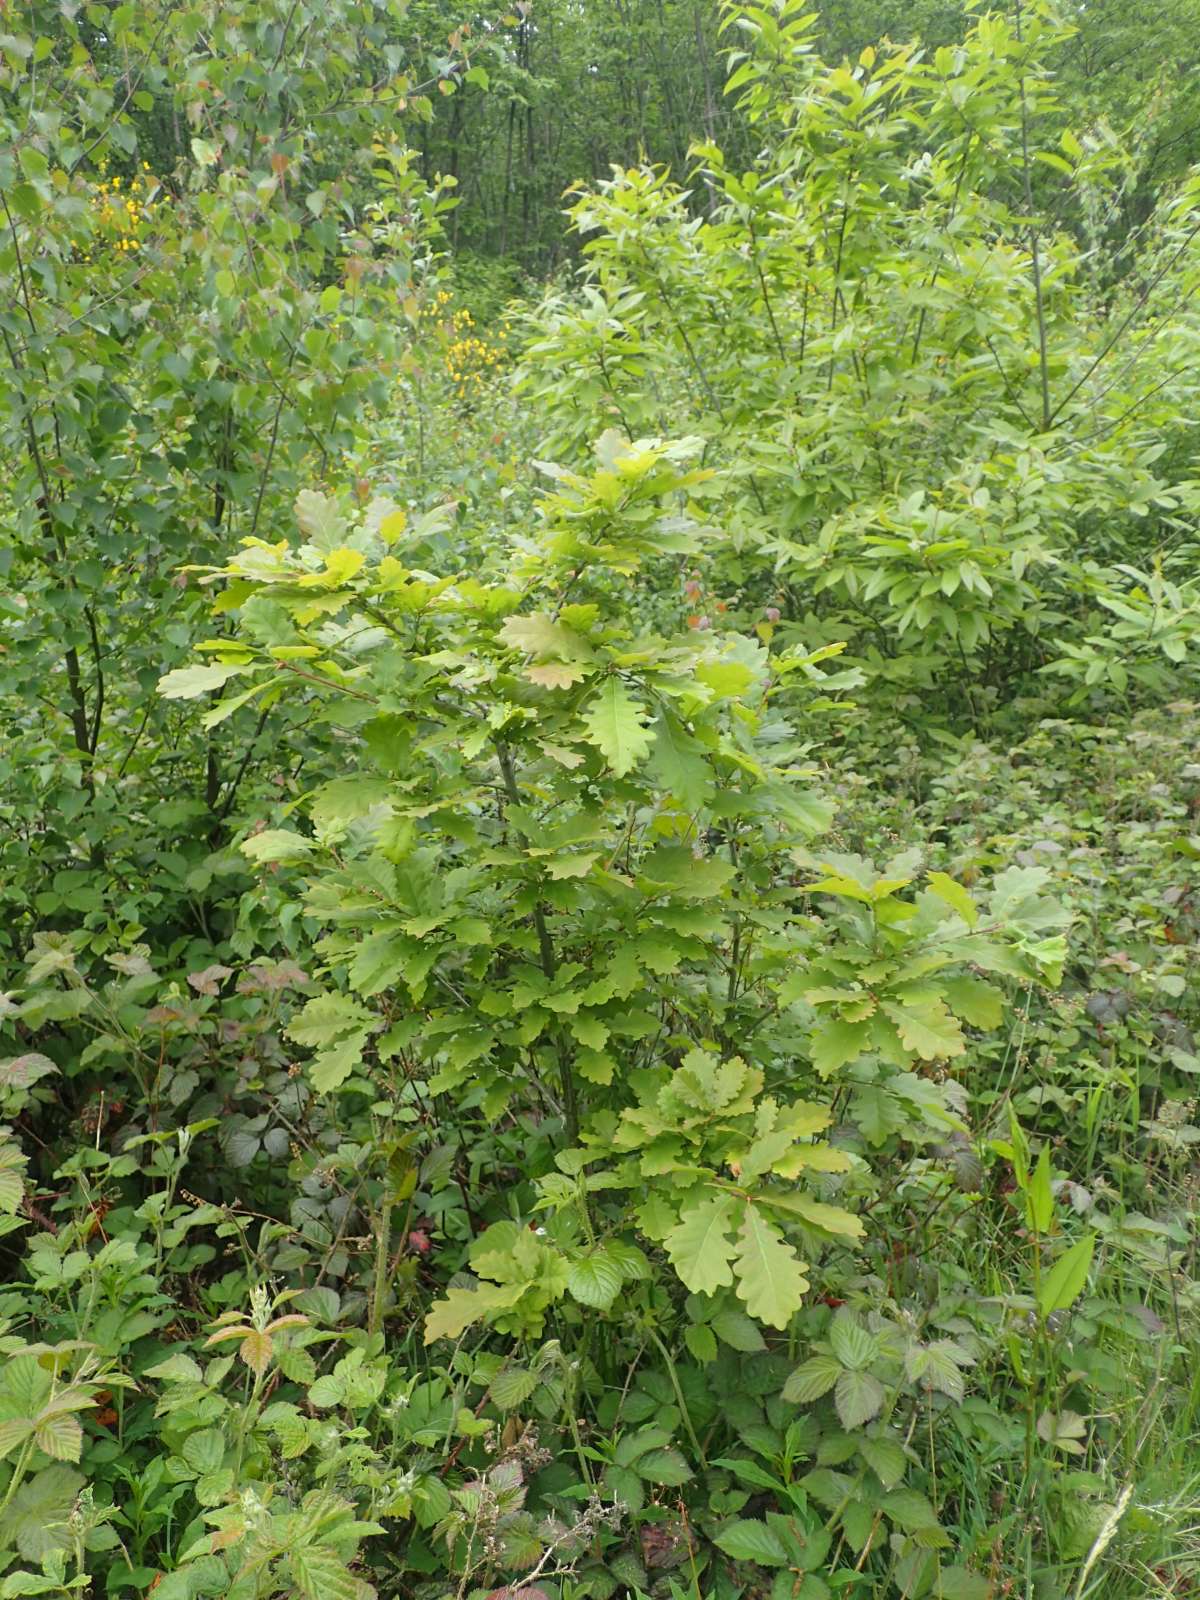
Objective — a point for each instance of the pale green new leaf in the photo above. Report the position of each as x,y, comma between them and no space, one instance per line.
955,896
189,683
700,1247
615,724
276,844
451,1316
770,1277
829,1219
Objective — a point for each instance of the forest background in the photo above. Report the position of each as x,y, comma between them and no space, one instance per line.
598,636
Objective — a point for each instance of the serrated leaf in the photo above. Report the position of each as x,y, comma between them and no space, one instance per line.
938,1366
512,1386
594,1281
770,1277
664,1466
37,1517
738,1331
320,1573
749,1540
623,1484
13,1433
615,724
909,1509
699,1246
886,1459
256,1350
850,1342
204,1451
812,1379
858,1397
701,1342
59,1435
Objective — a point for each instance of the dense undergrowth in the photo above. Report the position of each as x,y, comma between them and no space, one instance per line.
600,893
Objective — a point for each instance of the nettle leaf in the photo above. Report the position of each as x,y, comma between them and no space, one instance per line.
699,1246
770,1276
616,725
